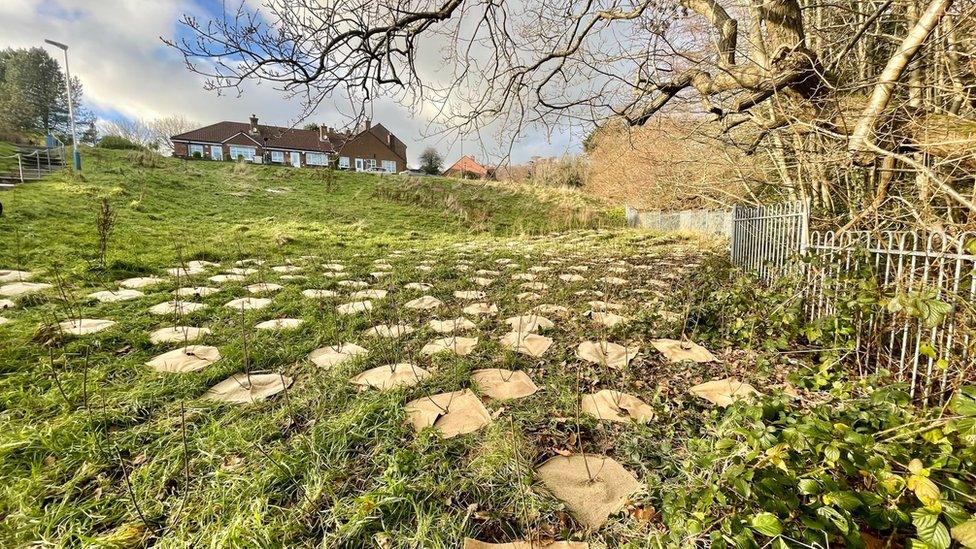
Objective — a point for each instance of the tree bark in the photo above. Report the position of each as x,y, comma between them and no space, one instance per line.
863,137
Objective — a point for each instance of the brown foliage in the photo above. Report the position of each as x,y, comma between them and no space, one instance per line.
667,165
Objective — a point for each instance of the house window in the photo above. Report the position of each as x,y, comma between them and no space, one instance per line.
196,149
246,152
316,159
389,166
277,156
370,163
216,152
343,162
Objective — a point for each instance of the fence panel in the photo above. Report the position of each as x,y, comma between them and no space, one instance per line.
765,239
706,221
921,272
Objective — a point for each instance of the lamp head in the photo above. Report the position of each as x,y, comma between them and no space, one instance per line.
58,45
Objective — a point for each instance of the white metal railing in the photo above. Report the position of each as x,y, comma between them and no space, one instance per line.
42,160
766,239
924,271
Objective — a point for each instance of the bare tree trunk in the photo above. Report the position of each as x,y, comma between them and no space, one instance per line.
863,137
952,64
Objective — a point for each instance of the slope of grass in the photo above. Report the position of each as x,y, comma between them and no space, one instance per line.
196,208
95,448
7,163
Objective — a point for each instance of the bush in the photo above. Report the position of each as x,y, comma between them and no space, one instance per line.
146,158
197,155
567,171
118,142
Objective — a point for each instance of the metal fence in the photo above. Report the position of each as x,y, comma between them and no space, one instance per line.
34,165
921,273
705,221
767,239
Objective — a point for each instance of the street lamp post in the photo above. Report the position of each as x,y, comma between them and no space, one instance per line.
75,154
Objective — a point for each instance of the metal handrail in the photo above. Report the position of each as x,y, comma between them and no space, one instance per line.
37,155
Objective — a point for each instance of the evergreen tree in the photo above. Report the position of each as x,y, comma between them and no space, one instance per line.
33,98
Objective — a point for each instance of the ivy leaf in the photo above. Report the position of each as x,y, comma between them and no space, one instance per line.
847,500
923,305
932,311
766,524
925,490
965,534
963,402
808,486
832,452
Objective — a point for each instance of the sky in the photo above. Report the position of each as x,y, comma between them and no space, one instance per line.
127,72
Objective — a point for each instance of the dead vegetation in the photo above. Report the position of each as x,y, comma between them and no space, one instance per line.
667,165
523,208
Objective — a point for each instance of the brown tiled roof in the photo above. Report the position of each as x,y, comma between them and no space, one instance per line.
467,164
268,136
399,147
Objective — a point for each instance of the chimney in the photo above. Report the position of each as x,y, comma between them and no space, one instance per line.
323,132
254,124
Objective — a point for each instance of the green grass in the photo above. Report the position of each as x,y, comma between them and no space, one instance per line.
322,465
97,449
6,163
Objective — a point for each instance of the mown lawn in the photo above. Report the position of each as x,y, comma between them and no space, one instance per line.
99,449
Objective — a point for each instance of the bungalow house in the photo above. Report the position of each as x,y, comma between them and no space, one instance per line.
468,168
369,148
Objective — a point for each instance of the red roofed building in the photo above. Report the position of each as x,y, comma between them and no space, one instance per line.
468,168
371,148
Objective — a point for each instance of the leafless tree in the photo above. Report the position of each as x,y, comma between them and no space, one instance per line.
163,129
134,130
835,96
153,133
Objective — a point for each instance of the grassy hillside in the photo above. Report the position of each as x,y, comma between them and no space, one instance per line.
165,206
84,416
6,150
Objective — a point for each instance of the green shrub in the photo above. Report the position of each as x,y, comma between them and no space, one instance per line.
118,142
786,473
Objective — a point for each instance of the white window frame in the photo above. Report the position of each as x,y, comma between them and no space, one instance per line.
343,162
360,164
194,148
389,166
216,152
278,156
248,152
316,159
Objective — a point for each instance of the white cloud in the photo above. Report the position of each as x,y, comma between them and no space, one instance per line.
116,52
